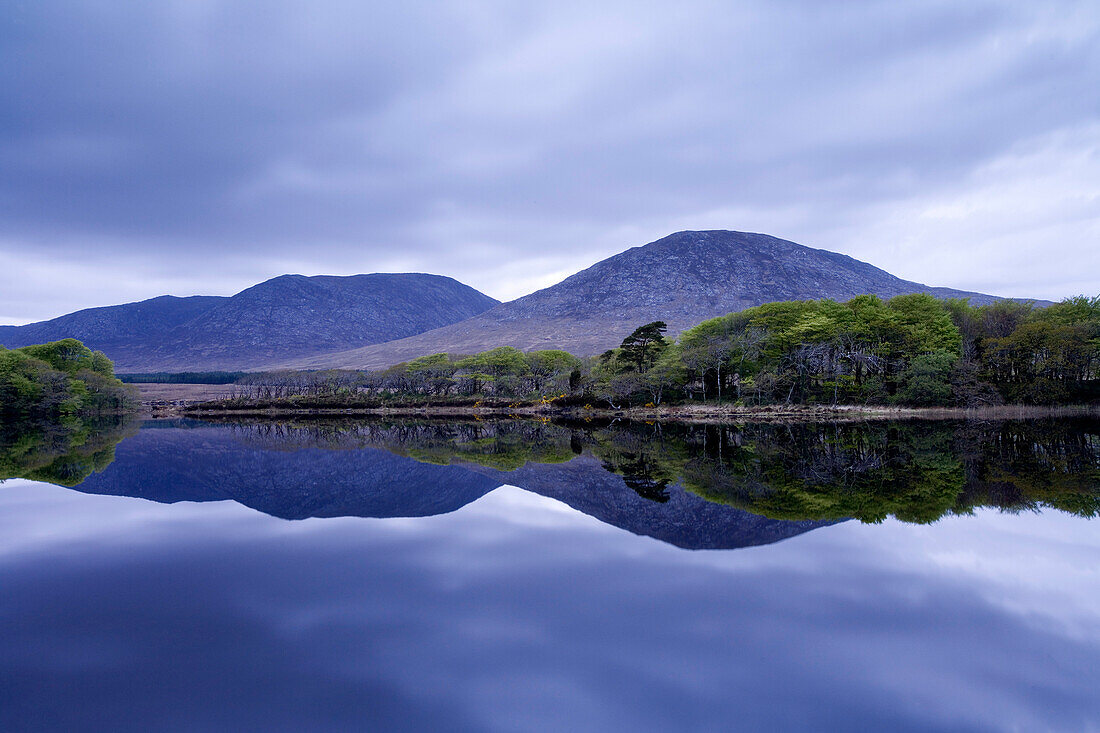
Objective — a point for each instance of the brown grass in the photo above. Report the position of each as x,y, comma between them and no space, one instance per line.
159,397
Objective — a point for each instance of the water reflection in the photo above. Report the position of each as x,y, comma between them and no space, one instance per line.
378,469
515,614
63,452
696,486
913,471
458,605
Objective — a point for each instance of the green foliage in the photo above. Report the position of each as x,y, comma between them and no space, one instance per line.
924,324
817,351
641,348
499,362
1040,356
912,350
927,380
59,378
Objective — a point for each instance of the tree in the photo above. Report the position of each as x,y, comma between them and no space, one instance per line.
642,347
434,374
666,373
551,369
707,348
927,381
926,324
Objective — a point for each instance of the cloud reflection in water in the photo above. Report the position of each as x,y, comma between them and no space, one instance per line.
516,612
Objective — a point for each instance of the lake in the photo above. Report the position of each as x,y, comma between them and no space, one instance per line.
321,574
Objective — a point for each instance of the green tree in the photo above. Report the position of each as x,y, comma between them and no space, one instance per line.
927,380
59,378
644,345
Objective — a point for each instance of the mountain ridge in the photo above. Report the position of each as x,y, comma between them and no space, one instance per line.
376,320
682,279
283,317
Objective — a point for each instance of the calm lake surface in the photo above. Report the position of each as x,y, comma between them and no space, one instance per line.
514,576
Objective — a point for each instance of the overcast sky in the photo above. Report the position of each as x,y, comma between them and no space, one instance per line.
202,146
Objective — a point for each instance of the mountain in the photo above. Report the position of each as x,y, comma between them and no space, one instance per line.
283,318
121,331
681,279
370,321
114,323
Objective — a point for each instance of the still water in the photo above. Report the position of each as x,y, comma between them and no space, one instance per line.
524,576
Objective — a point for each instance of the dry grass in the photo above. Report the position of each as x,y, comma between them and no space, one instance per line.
182,394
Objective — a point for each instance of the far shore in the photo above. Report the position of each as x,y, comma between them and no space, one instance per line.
199,401
674,413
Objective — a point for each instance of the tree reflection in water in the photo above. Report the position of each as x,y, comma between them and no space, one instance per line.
915,471
63,452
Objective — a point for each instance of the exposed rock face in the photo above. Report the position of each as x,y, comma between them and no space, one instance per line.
287,317
681,279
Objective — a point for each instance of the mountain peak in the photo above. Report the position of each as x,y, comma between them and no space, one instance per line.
681,279
677,277
378,319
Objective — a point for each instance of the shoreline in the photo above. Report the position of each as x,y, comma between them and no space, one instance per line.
675,413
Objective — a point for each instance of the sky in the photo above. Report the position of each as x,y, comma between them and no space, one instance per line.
201,146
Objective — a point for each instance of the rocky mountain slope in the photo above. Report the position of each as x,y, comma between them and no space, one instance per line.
681,279
286,317
113,324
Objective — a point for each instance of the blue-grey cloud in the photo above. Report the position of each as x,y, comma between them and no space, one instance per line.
202,146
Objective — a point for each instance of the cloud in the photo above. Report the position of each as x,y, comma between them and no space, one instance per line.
1025,222
215,144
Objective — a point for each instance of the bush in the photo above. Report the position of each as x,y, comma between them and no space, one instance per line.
59,378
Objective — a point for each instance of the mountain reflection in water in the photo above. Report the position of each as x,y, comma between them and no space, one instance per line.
518,613
694,486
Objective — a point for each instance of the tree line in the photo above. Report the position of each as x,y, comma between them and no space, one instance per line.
909,350
216,377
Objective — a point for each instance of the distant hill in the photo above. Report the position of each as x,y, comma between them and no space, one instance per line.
110,324
287,317
681,279
121,331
